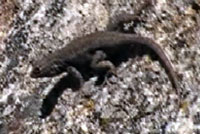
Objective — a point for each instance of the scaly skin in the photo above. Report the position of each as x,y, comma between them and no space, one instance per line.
80,53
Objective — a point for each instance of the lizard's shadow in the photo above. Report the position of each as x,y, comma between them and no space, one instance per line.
69,82
52,97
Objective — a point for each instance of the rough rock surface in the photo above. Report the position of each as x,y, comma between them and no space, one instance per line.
139,100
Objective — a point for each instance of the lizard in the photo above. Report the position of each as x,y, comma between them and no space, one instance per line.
97,54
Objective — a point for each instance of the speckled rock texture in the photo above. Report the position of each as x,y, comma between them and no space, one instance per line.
138,100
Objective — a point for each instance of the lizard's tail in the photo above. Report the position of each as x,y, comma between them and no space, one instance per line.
161,57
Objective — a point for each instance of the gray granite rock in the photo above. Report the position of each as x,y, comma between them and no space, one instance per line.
140,99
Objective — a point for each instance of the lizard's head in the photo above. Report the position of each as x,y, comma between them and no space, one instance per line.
46,67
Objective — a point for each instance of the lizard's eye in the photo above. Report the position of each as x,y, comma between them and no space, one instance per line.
35,72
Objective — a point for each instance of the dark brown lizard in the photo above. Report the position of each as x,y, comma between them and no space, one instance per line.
95,55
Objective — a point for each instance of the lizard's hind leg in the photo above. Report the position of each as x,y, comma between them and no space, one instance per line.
99,62
101,66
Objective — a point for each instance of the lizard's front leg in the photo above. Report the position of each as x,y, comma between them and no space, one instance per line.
74,78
